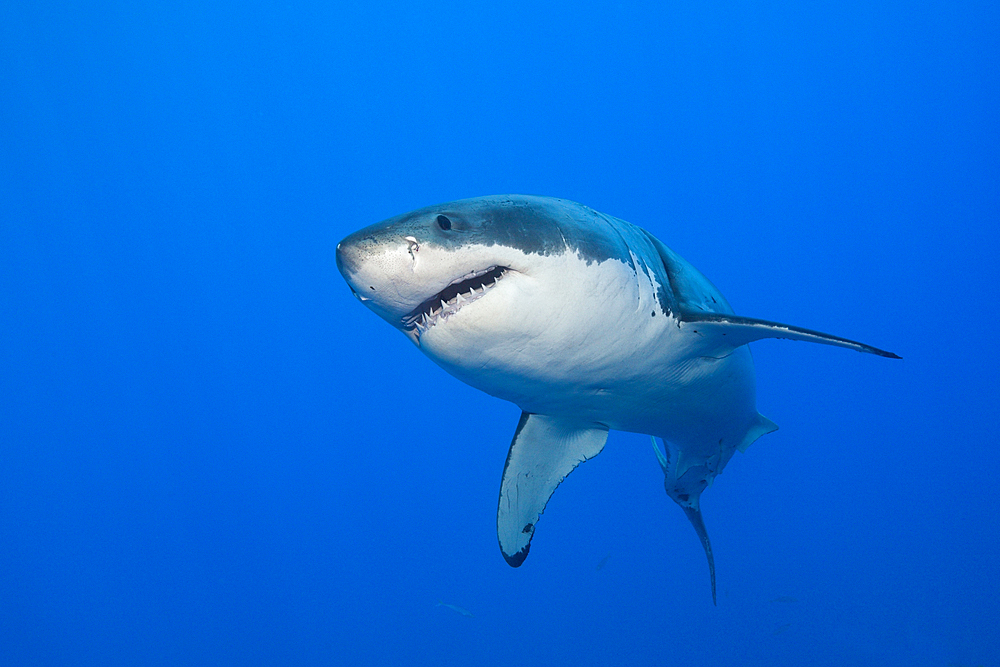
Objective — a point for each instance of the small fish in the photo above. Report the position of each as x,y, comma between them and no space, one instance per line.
781,628
785,599
455,608
602,563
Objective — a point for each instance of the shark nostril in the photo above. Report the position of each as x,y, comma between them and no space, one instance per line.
413,247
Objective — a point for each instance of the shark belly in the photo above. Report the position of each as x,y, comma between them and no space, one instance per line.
696,401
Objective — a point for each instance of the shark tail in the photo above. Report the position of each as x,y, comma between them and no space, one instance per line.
690,503
694,516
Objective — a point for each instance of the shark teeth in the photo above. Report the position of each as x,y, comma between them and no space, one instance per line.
460,293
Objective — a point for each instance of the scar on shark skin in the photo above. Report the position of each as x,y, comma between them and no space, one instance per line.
537,300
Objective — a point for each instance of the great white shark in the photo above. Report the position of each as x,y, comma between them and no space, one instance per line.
584,321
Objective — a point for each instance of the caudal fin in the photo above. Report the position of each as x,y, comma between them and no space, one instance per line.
694,516
689,504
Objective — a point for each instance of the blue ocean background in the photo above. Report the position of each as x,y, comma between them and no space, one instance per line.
212,454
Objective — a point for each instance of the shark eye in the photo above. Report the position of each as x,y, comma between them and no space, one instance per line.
443,222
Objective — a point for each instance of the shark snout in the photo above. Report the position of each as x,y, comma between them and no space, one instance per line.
358,264
349,258
379,271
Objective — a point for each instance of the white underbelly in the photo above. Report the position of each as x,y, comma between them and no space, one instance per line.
660,388
693,401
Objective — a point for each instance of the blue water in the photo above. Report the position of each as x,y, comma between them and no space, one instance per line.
211,454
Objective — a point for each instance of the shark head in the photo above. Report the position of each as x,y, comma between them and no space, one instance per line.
421,269
491,282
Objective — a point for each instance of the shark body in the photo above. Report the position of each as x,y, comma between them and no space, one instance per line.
587,323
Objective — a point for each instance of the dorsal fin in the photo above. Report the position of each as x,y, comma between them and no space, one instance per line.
690,290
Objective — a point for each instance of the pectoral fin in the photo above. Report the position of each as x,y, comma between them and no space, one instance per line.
730,331
544,450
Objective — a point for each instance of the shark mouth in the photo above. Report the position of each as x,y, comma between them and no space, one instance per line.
451,299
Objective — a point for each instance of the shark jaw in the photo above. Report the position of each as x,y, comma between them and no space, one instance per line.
458,294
